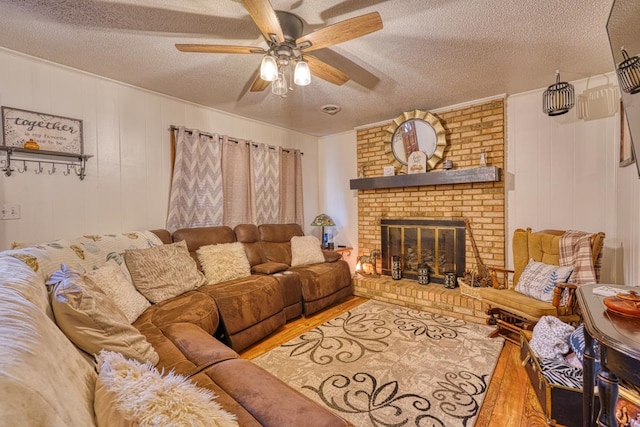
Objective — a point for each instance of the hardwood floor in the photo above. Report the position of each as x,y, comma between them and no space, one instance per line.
510,400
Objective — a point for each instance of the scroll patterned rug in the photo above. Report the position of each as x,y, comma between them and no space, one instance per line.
385,365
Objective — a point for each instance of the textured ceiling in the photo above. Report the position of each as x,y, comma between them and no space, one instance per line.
430,54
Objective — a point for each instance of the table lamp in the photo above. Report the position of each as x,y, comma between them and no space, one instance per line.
323,220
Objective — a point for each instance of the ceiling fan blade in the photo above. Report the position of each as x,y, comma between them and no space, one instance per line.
258,84
212,48
265,18
341,32
325,71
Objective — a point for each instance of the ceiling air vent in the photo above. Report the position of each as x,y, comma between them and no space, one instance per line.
330,109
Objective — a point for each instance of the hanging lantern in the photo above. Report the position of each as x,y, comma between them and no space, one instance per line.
629,73
558,98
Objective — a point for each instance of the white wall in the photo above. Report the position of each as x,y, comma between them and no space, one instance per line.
337,161
126,130
560,173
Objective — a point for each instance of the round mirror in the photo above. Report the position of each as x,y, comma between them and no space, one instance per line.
413,135
415,131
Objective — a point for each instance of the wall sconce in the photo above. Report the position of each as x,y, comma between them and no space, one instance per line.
366,265
628,72
558,98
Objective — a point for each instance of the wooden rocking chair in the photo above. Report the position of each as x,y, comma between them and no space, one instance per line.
512,311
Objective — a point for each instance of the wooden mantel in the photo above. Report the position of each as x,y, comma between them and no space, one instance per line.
457,176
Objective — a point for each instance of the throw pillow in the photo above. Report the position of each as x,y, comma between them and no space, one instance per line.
224,261
111,280
92,321
129,393
538,280
164,271
305,250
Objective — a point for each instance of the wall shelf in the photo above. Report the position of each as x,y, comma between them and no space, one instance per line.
77,162
457,176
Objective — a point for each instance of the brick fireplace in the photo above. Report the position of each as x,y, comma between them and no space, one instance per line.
469,130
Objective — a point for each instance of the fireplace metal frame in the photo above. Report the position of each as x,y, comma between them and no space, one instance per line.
437,275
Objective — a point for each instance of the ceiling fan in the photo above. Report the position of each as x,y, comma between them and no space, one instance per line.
288,48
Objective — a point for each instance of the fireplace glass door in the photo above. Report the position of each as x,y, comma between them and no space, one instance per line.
437,243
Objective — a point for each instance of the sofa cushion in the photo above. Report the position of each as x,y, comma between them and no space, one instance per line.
164,271
305,250
222,262
248,235
276,241
517,303
111,280
92,321
129,393
192,307
538,280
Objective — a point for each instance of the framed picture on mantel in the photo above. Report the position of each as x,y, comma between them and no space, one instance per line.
40,131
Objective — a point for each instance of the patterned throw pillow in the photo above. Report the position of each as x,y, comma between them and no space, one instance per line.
164,271
129,393
112,281
305,250
92,321
538,279
224,261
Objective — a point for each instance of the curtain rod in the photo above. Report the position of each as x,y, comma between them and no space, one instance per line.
175,128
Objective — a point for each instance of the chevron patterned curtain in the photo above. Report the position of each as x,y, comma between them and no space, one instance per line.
218,180
266,179
196,189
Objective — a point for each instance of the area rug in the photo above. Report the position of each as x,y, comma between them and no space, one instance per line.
385,365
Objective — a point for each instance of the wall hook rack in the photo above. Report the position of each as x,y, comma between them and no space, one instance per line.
76,161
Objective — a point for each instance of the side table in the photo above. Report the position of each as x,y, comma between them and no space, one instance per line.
619,339
343,250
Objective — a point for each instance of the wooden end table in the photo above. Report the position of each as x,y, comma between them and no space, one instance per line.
619,338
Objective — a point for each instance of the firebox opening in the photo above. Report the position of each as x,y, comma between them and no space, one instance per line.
440,244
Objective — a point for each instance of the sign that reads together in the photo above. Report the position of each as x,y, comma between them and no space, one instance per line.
51,133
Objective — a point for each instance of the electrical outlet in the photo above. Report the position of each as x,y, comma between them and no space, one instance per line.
10,211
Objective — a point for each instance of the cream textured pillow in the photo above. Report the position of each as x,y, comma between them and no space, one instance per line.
112,281
164,271
129,393
92,321
305,250
225,261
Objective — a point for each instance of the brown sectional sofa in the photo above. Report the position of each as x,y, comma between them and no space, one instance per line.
255,306
180,329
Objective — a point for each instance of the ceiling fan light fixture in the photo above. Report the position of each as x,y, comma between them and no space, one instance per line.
269,69
558,98
629,73
279,86
302,75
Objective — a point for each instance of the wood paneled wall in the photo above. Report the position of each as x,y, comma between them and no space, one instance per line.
126,129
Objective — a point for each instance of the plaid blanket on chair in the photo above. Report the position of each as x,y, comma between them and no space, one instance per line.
575,251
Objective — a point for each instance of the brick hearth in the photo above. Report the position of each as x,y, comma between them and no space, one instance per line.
434,298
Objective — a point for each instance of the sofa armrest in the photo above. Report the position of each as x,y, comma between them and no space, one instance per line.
269,268
331,256
197,346
559,288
